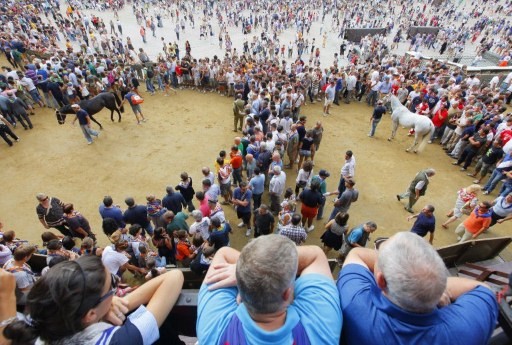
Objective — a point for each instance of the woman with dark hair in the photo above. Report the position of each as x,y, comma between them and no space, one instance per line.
78,224
332,238
74,303
311,199
165,245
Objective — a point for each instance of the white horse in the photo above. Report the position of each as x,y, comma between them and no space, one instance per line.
422,125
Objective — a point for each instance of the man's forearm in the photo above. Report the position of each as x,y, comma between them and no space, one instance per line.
362,256
314,258
457,286
226,255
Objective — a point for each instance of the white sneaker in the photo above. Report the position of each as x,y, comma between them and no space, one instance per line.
311,228
240,224
248,233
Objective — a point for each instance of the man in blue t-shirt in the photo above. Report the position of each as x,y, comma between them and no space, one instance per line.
402,295
253,297
425,222
136,108
85,123
242,200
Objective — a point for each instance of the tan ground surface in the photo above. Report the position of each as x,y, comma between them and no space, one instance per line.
184,133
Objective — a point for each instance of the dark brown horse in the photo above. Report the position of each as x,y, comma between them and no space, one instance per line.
108,100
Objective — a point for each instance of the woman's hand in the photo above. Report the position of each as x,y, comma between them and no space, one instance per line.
118,310
221,275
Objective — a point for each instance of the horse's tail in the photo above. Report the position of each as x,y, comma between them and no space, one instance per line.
426,138
118,102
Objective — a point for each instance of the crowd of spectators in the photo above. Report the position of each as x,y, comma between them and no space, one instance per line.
270,97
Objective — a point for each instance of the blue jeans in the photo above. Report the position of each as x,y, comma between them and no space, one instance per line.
372,98
375,122
320,213
160,261
493,180
149,85
160,83
88,131
506,188
237,175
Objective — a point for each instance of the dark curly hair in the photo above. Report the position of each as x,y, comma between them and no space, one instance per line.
59,300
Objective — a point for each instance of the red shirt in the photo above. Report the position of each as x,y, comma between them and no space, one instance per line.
505,136
440,117
203,207
236,161
422,108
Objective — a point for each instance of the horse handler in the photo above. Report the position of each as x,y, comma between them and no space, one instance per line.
376,117
85,123
136,108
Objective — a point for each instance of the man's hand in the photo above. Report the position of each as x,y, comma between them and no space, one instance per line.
221,275
445,299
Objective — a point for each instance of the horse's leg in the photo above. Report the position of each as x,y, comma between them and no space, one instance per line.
112,115
118,115
94,120
414,143
393,130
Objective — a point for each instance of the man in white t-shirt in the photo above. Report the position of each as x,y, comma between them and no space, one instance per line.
506,83
116,262
230,79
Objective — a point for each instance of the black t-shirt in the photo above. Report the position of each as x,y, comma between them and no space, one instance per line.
264,222
54,88
306,144
492,155
301,130
378,112
481,140
311,198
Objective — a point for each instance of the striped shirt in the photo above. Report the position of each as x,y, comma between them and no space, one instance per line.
296,233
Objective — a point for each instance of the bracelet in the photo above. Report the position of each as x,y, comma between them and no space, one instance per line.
8,321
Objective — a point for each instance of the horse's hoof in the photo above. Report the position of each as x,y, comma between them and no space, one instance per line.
415,151
389,139
406,150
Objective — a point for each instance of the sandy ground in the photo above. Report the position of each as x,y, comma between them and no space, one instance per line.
185,132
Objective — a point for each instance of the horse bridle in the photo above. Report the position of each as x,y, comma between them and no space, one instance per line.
60,118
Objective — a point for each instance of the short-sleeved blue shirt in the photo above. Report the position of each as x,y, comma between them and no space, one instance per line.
370,318
243,196
424,225
316,306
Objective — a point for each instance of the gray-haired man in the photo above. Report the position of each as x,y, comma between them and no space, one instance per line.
417,188
404,289
300,311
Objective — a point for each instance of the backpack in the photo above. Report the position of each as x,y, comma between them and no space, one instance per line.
136,99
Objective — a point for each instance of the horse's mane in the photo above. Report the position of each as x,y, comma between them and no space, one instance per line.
66,109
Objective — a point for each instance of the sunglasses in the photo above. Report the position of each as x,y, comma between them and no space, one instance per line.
113,288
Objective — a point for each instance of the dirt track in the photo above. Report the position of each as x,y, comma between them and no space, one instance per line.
185,132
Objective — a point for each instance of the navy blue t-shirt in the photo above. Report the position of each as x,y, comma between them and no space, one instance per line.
424,225
243,196
136,215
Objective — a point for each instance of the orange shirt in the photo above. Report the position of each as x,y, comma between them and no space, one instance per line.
182,250
236,161
474,223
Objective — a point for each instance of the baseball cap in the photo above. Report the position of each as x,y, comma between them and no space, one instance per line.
75,106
